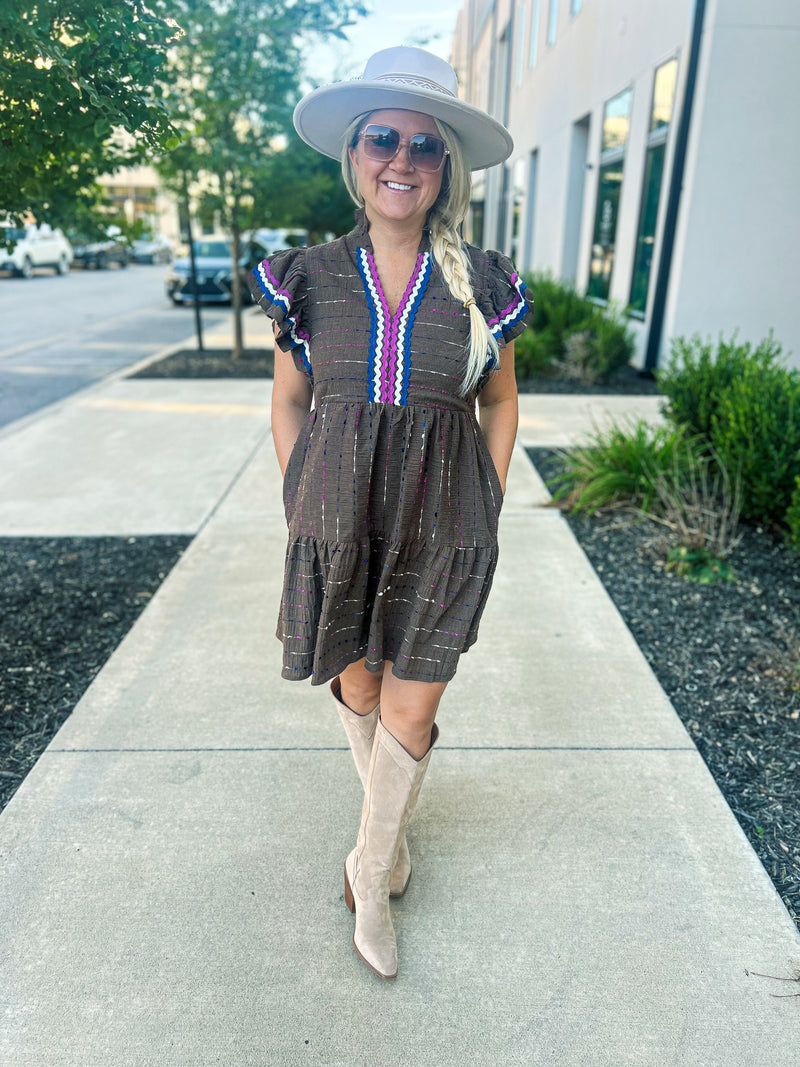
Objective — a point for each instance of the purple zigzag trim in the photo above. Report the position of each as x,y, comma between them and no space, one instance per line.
384,355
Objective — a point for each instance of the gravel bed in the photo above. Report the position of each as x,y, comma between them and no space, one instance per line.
210,363
67,604
727,655
627,381
258,363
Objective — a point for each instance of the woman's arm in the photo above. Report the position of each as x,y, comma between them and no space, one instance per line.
498,413
291,402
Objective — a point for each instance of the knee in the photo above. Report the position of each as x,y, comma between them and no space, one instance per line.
360,688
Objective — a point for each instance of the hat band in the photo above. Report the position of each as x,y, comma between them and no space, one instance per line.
415,81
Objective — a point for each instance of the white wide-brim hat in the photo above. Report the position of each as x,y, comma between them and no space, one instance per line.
409,79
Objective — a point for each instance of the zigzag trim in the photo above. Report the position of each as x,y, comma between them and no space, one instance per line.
511,314
376,335
270,287
410,306
389,363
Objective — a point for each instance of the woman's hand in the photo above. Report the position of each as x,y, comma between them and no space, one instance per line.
291,401
498,413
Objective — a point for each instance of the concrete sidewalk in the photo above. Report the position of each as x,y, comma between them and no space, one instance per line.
171,868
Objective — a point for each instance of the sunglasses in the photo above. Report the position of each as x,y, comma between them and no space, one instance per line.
425,151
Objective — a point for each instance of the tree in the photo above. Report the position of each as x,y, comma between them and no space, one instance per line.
81,93
299,188
238,67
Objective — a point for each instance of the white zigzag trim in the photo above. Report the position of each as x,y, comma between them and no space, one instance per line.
379,323
277,297
515,311
402,326
285,303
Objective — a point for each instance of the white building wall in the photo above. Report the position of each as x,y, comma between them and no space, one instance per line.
737,251
609,46
737,246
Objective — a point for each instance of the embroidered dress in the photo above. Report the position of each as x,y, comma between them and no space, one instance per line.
391,496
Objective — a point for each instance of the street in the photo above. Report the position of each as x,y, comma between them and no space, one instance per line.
60,334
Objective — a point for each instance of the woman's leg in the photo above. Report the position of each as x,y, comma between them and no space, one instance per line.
408,710
360,730
360,688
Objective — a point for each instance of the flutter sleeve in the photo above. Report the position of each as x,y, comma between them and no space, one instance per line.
279,286
504,299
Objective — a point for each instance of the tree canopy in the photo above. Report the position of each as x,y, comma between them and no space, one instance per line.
299,188
236,70
73,74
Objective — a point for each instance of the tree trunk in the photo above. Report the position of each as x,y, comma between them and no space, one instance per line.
236,294
198,320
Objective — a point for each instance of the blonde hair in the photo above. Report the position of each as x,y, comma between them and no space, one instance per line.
444,220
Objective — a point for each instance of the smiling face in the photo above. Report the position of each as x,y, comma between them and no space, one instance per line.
396,192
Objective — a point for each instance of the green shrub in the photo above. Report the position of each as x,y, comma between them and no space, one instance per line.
698,565
612,342
697,376
793,517
571,334
756,431
559,310
532,353
625,465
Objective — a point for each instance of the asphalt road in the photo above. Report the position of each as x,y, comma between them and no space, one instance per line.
58,335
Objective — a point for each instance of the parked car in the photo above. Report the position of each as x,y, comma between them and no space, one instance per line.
34,246
101,254
278,239
154,249
214,263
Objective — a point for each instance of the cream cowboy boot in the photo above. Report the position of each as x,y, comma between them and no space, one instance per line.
393,784
360,730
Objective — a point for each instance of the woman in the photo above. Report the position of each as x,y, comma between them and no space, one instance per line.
392,489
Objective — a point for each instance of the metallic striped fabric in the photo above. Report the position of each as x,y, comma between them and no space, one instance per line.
391,497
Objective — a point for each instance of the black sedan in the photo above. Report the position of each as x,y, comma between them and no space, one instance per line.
214,264
100,254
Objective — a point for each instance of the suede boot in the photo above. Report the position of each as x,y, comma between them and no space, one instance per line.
393,784
360,730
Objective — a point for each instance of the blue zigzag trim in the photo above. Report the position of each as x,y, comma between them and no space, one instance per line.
412,314
373,313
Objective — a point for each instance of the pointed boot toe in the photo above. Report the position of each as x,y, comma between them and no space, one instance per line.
373,939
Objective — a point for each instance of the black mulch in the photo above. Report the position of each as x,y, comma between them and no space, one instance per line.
210,363
627,381
727,655
67,604
258,363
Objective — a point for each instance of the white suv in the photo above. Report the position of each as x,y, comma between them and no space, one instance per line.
34,246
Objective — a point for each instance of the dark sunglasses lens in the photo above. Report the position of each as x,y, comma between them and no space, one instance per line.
426,152
380,142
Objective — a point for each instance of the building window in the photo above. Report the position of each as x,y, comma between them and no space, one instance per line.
519,29
552,23
518,199
616,125
660,118
575,7
477,212
533,44
530,208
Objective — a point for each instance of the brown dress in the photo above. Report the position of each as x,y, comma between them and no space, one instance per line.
391,496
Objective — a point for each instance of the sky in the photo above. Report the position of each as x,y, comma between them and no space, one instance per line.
426,23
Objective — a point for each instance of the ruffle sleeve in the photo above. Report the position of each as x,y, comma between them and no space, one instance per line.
279,286
503,298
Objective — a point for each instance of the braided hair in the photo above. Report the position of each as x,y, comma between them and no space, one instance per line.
444,221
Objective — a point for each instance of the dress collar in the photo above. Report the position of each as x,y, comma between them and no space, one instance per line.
359,235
